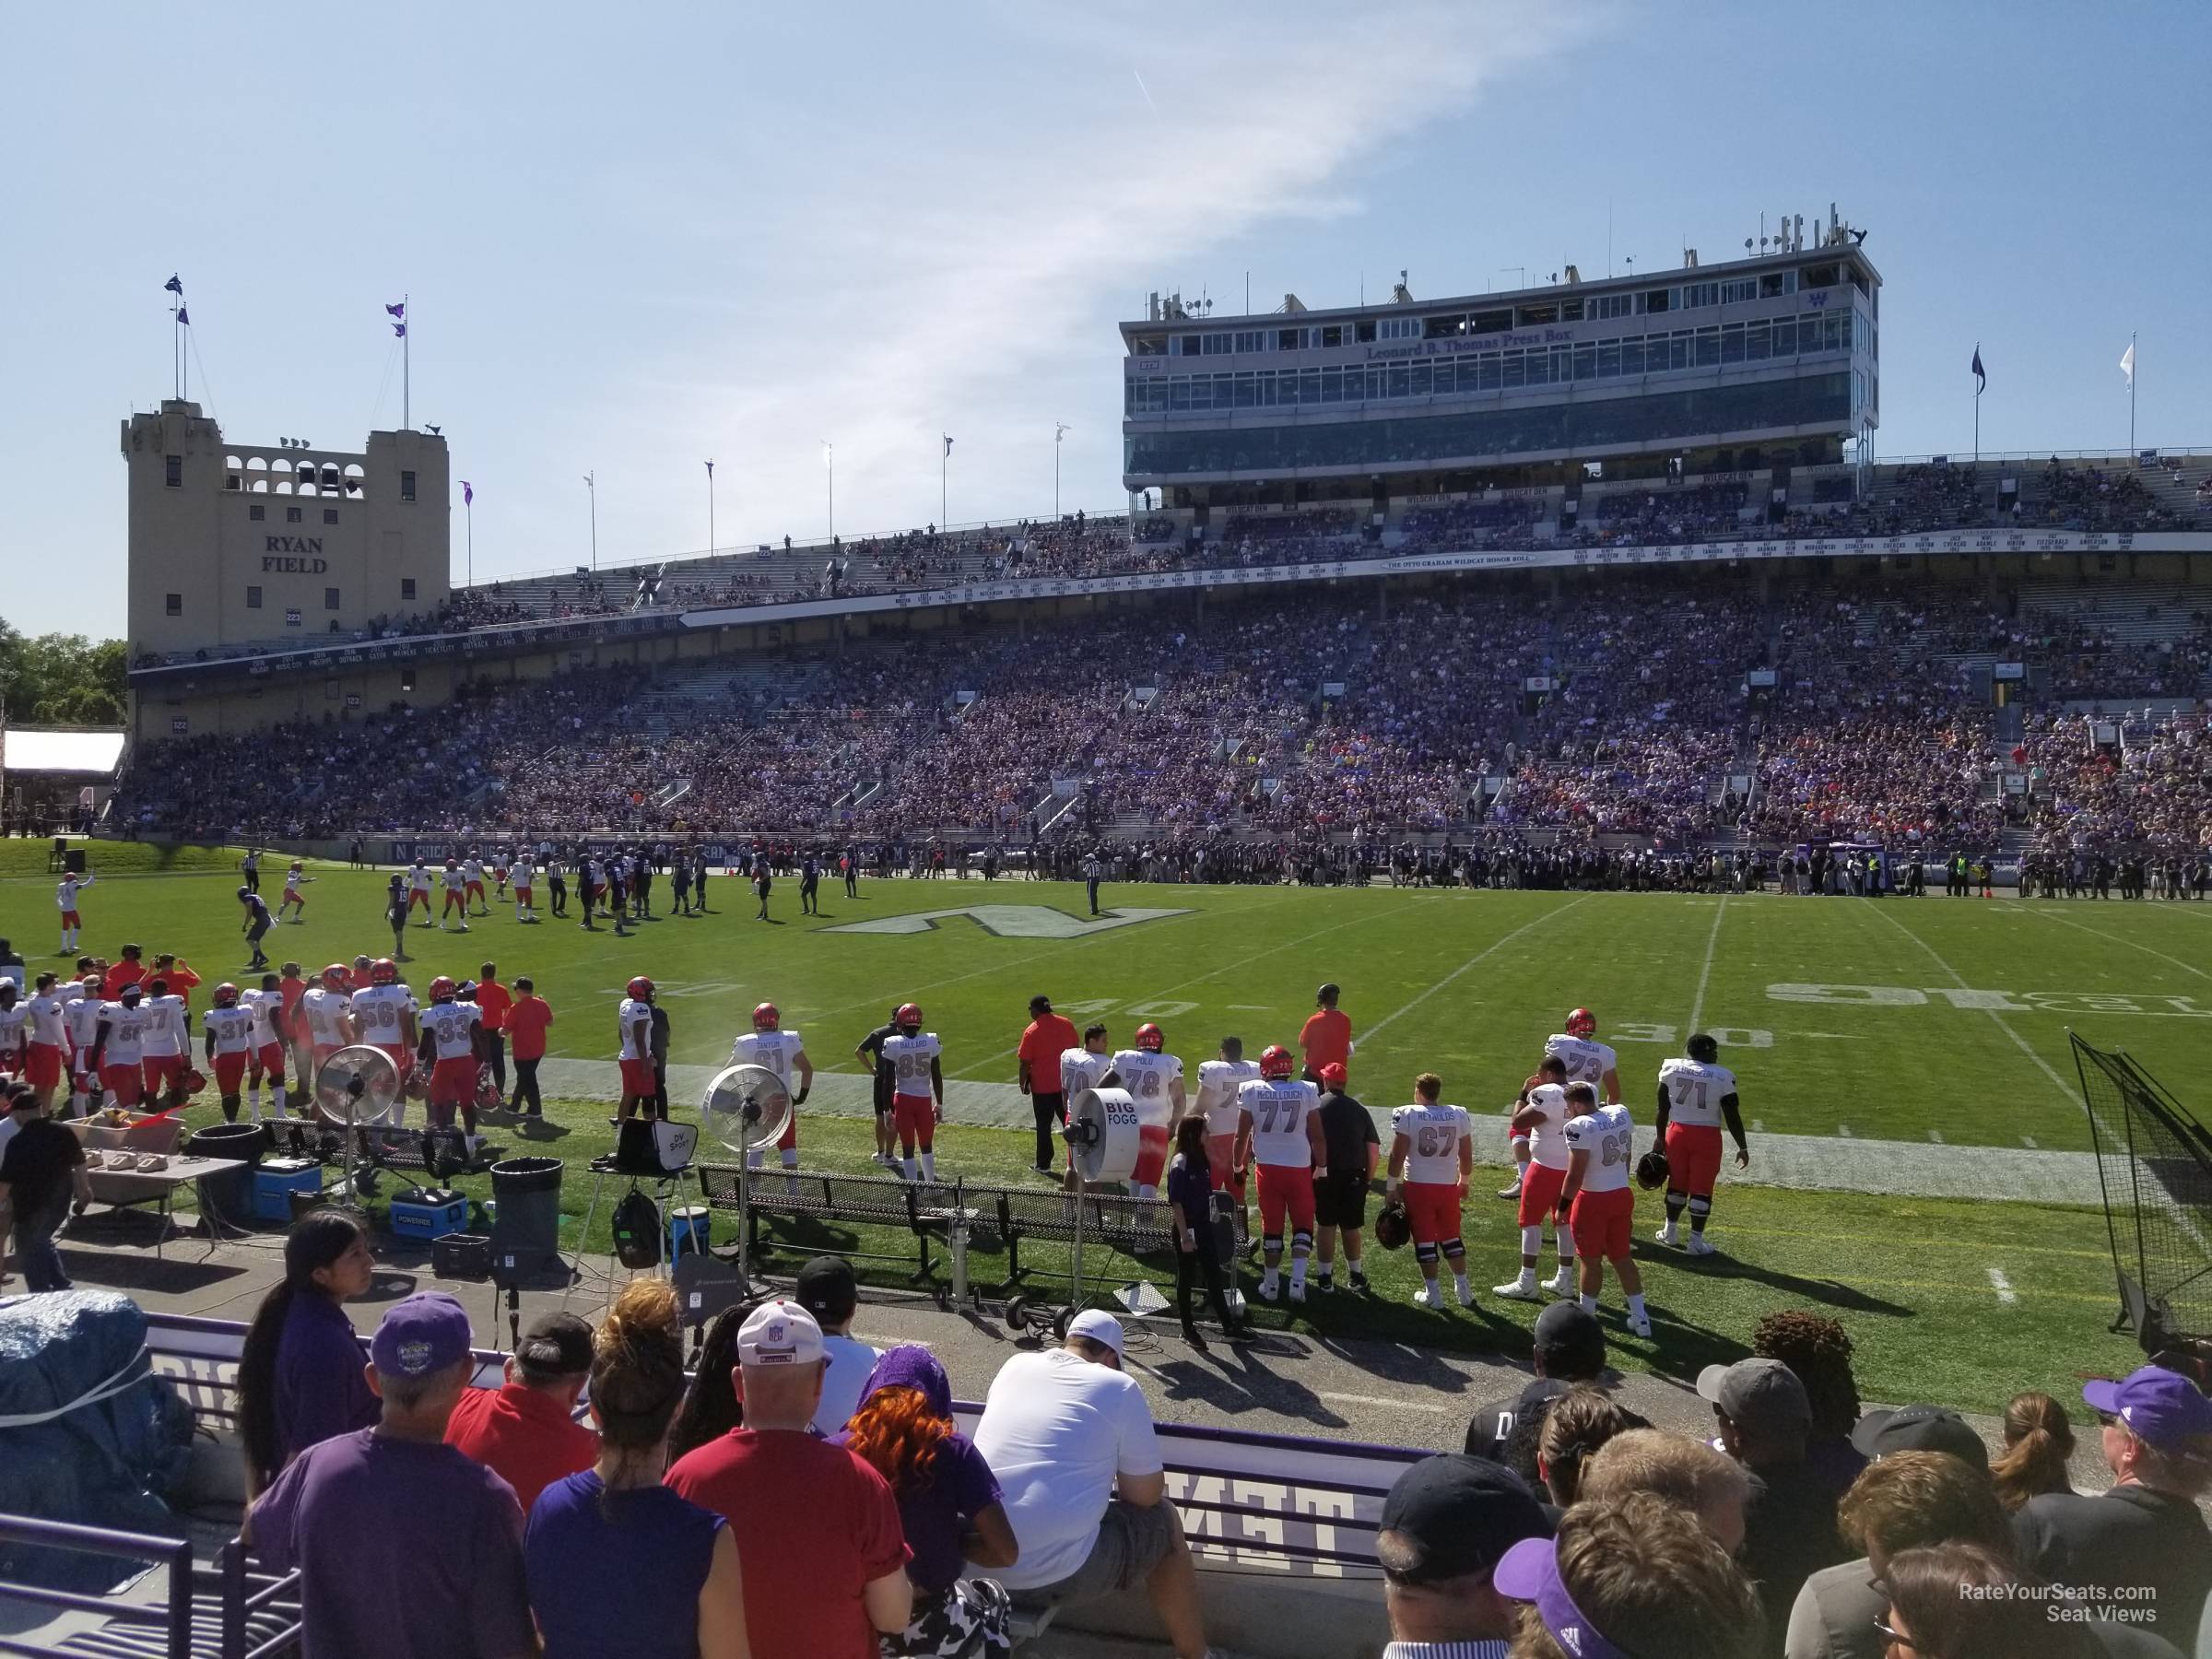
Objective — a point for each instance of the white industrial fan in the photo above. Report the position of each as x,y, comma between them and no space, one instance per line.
357,1087
746,1107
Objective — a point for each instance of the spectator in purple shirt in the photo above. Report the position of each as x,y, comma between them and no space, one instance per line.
406,1547
299,1376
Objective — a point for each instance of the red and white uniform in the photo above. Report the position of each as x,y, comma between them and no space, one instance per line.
15,1025
778,1051
380,1014
49,1036
521,882
291,886
1153,1081
232,1030
418,888
168,1034
452,1026
1587,1061
1694,1092
1279,1108
1545,1176
914,1100
636,1057
80,1020
1218,1081
1604,1209
65,894
456,888
264,1009
472,872
1432,1188
323,1009
1081,1069
121,1059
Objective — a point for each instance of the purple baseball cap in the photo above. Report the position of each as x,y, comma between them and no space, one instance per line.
2162,1408
1529,1571
426,1333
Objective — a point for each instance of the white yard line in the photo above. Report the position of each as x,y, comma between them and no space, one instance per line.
1483,955
1398,1403
2066,1091
1696,1005
1935,1136
2006,1295
1214,973
2132,945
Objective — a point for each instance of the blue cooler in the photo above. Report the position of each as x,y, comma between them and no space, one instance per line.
688,1230
276,1180
429,1214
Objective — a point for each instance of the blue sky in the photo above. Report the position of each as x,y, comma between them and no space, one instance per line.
737,233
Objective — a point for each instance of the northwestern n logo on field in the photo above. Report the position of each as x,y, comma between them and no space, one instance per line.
1011,921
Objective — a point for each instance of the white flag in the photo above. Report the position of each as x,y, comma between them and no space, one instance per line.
2128,362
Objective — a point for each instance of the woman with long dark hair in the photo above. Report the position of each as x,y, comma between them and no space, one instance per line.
949,1505
616,1562
301,1376
1190,1199
2038,1441
711,1409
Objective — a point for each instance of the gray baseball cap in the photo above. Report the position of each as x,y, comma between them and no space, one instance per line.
1758,1394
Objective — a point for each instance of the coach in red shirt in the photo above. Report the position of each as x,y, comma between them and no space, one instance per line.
1327,1034
1048,1036
493,1001
526,1023
819,1536
526,1432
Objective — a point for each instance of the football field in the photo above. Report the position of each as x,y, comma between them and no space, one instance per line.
1930,1029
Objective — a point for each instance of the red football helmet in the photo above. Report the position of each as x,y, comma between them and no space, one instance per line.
767,1017
338,976
1150,1038
1275,1060
192,1082
443,989
384,971
639,989
909,1016
226,995
1581,1023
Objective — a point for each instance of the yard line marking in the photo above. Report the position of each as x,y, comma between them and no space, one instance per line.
1696,1005
2006,1295
1482,955
1394,910
2018,1041
1844,1130
1935,1136
1394,1405
1248,1008
2132,945
2028,1141
1759,1125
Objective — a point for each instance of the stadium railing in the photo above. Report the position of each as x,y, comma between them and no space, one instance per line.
1282,1527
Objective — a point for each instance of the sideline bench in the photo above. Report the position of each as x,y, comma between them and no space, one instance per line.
812,1204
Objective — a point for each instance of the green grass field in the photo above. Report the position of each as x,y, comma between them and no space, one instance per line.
1898,1020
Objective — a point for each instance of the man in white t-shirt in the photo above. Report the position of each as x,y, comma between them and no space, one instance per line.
826,1289
1070,1438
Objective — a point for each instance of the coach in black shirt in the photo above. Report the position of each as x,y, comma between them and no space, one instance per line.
2143,1546
1340,1197
870,1053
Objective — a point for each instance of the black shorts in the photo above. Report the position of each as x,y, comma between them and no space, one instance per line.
1340,1201
1056,1103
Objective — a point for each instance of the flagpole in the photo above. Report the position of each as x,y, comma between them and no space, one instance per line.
944,472
469,511
829,460
1981,382
2131,391
1060,431
407,365
710,509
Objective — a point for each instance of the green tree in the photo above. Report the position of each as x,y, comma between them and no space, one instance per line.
61,679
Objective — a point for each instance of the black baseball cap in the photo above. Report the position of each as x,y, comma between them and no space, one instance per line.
1920,1429
557,1345
826,1289
1453,1515
1040,1003
1570,1341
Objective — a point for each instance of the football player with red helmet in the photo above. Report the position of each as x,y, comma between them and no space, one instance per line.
1279,1130
769,1044
633,1025
1154,1079
228,1044
914,1057
453,1040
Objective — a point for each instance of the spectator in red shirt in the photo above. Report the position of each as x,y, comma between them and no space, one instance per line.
494,1001
526,1430
1327,1036
526,1021
128,971
818,1534
1047,1037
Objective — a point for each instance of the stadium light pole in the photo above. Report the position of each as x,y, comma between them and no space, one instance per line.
1059,431
591,485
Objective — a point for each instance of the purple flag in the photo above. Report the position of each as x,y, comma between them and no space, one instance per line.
400,329
396,311
710,469
469,493
183,316
175,285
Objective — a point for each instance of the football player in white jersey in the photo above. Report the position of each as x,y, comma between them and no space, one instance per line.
1151,1076
264,1005
117,1058
325,1012
1541,1114
457,895
1218,1081
1432,1154
1279,1129
1082,1068
634,1027
166,1039
1601,1143
384,1013
48,1049
14,1028
80,1018
65,895
472,872
419,889
229,1040
1587,1061
293,900
1696,1094
917,1088
525,889
769,1044
452,1037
